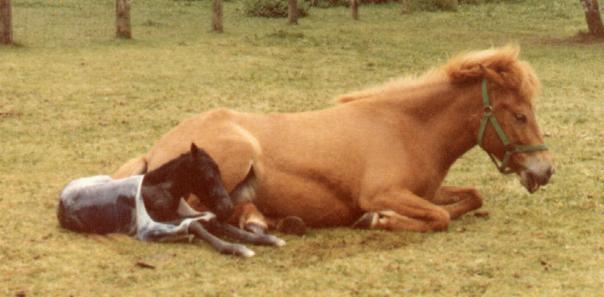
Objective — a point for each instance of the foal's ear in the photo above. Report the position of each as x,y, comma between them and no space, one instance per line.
194,148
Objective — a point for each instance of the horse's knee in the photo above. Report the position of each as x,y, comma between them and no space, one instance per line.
476,198
439,220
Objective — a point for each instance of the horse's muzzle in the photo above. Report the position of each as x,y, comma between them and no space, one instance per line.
537,173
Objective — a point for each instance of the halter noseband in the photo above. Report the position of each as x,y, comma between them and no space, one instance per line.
509,148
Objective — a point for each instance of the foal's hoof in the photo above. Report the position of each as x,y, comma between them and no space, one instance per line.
276,241
255,228
239,250
292,225
367,221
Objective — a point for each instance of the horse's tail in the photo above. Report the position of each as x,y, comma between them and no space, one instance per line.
134,166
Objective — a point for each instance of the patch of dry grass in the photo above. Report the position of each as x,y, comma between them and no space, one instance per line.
74,102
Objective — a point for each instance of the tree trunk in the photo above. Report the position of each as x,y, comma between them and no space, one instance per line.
6,27
405,6
593,18
122,19
217,16
354,5
450,5
314,3
293,12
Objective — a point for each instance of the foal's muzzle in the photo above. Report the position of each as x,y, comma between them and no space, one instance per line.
223,208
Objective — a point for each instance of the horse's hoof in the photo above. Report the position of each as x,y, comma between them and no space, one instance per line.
255,228
367,221
292,225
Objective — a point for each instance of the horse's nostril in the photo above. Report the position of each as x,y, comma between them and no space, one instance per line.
550,172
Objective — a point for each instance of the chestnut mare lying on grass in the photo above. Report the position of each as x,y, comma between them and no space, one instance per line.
379,157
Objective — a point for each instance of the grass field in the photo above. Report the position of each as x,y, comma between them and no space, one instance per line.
75,102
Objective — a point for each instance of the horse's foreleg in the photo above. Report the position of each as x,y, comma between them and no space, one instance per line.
402,210
457,200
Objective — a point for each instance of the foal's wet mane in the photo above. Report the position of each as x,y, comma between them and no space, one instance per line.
499,65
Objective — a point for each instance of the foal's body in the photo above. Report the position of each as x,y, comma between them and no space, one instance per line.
381,156
100,204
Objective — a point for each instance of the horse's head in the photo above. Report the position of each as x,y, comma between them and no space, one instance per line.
207,185
508,128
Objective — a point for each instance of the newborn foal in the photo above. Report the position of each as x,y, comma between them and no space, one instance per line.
99,204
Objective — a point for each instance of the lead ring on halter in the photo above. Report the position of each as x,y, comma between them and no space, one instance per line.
510,149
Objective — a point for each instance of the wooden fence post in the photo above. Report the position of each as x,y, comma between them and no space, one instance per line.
122,19
217,16
354,4
293,12
593,17
6,26
405,6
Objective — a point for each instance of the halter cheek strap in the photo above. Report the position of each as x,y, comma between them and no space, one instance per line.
488,117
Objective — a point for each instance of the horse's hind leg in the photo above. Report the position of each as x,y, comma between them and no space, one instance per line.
457,200
238,161
248,217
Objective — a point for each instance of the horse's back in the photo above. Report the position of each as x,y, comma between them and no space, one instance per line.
98,204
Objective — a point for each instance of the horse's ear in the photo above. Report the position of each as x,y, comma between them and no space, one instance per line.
493,75
467,73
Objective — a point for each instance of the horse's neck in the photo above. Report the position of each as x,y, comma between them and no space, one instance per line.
448,118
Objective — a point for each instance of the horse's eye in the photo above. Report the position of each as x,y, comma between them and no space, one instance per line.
520,117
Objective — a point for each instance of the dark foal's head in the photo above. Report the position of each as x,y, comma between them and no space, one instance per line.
194,172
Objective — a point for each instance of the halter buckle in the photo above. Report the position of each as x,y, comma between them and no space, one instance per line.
488,110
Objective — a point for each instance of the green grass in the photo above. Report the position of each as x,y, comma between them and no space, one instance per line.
75,102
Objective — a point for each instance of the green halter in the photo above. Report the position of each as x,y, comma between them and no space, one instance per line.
509,149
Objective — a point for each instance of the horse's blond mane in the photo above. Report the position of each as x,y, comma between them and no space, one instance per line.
499,65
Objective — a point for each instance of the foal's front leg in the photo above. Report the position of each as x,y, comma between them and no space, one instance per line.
197,229
223,229
402,210
458,200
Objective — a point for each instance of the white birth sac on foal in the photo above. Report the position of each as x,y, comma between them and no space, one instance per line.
100,204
